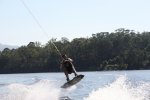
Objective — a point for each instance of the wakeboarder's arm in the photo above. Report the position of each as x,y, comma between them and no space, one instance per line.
69,59
61,64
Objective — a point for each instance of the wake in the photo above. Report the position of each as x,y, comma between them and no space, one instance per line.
122,89
42,90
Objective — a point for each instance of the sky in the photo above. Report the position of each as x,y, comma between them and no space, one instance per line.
69,18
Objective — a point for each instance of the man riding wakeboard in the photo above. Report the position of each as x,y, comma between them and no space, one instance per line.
67,66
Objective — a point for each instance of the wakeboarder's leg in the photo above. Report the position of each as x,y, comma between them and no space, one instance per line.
67,77
74,71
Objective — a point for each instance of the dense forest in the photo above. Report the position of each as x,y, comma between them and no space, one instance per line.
122,49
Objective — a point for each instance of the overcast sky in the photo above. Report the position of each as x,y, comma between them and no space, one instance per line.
69,18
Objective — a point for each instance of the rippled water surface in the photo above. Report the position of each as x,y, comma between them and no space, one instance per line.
109,85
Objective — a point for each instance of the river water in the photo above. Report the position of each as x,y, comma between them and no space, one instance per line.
101,85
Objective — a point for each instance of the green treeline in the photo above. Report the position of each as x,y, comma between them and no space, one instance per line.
120,50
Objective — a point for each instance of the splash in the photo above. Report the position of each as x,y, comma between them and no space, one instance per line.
43,90
121,89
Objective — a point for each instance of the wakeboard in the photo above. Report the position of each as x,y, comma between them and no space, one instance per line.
72,82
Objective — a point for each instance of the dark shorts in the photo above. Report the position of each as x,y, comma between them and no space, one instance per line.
67,67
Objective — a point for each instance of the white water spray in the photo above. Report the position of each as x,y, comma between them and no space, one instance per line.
43,90
121,89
